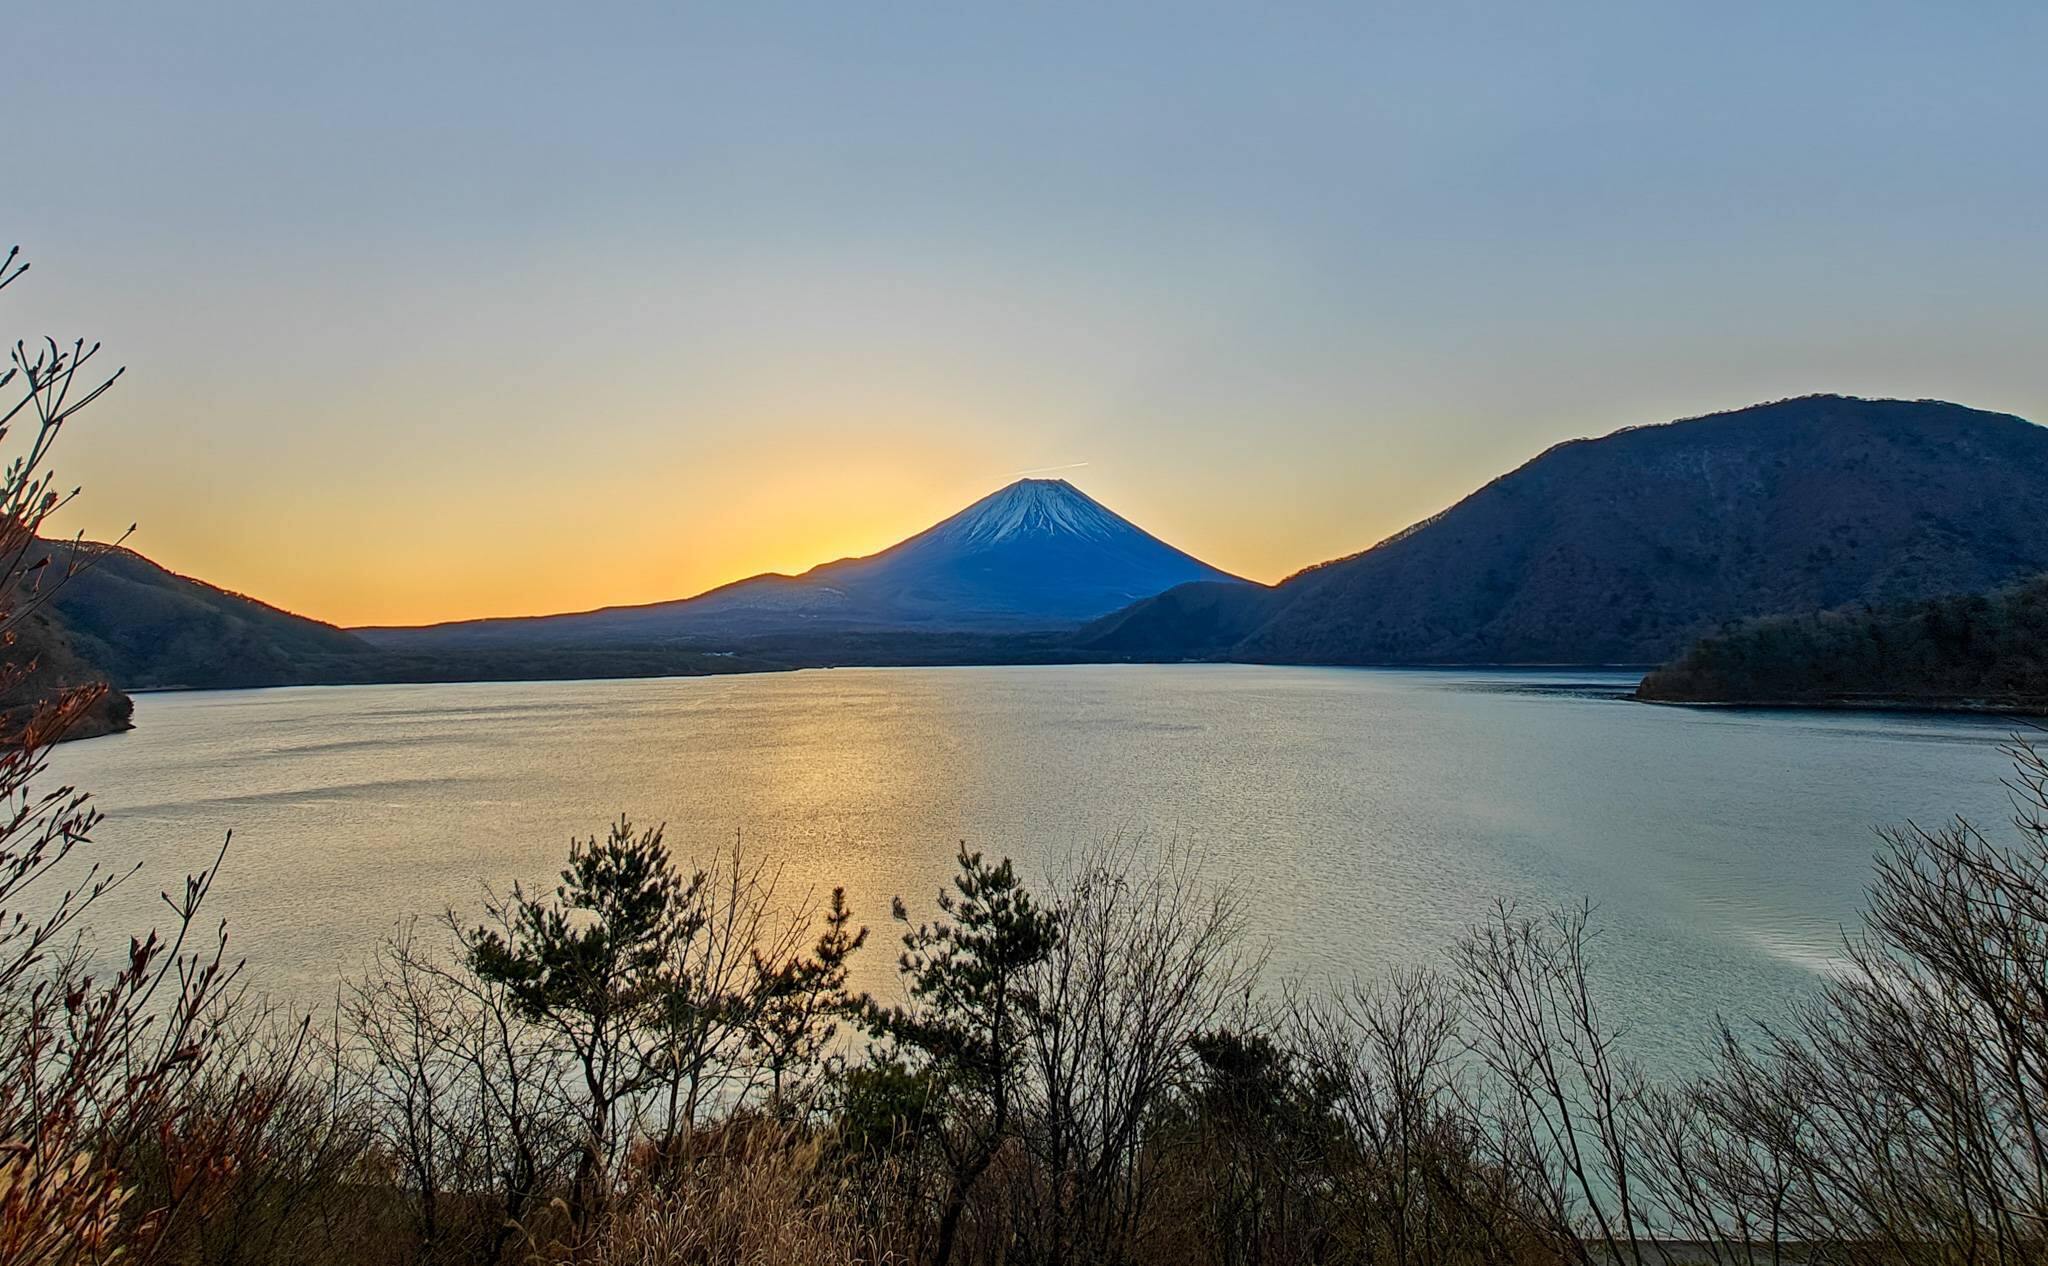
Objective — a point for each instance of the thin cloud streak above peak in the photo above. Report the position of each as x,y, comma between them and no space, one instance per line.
1044,470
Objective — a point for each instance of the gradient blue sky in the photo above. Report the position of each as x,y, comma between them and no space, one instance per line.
444,310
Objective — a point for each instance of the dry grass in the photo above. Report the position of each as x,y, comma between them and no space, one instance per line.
761,1194
56,1210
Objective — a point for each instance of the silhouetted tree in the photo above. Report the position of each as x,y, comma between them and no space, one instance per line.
803,998
587,962
970,1006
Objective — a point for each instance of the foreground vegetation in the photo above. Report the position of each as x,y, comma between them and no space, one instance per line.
1978,651
651,1063
645,1063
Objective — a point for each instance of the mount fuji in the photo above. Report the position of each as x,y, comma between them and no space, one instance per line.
1037,554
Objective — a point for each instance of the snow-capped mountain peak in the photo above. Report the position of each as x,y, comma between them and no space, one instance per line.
1029,508
1036,554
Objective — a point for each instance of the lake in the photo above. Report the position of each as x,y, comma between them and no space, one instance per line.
1368,816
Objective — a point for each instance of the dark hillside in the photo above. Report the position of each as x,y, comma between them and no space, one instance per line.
142,625
1625,549
1199,620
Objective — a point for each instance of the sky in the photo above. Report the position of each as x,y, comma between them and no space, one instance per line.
442,310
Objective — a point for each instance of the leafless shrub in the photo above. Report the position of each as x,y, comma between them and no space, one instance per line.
1899,1117
469,1102
520,1074
96,1054
1414,1176
268,1149
1560,1102
1149,956
733,1019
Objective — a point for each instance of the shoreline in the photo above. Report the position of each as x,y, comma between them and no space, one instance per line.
756,667
1939,705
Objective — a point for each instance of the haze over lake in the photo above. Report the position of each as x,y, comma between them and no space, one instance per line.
1367,815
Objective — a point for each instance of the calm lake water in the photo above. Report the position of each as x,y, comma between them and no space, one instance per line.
1368,816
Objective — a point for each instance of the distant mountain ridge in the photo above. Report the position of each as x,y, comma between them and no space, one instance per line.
1626,548
1036,554
1622,549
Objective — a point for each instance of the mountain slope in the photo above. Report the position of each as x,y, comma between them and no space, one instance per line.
1200,620
1628,547
1037,554
142,625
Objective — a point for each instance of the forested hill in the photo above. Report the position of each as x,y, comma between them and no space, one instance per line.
1979,650
142,625
118,618
126,620
1627,548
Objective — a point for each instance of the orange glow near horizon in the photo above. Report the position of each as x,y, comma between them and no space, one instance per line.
470,528
469,507
793,285
356,579
652,532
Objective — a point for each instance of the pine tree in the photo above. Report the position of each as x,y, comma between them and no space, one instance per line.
587,964
969,1000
